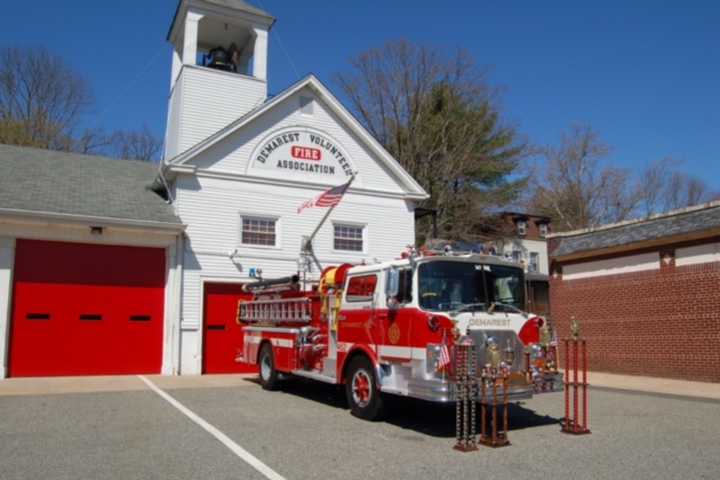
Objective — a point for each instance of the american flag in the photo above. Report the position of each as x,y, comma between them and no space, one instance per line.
444,359
328,198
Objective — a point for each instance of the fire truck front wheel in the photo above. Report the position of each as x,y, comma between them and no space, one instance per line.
269,378
361,389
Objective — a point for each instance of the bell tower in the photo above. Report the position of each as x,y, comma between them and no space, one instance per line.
219,68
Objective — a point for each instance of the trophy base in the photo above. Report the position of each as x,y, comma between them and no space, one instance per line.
500,440
573,429
469,447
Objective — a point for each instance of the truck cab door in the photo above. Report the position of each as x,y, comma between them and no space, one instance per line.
357,322
395,317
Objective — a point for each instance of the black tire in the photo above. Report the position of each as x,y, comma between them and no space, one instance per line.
361,390
269,378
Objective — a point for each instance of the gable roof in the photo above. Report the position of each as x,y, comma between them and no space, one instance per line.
239,5
412,188
47,183
687,223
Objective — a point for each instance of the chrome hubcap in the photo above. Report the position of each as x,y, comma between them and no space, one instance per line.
361,390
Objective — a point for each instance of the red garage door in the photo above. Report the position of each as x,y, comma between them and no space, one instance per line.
86,309
222,336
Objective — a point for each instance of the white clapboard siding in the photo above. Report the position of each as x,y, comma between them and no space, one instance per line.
234,153
210,100
172,133
212,207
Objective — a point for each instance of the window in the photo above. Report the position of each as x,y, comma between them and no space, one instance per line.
348,237
516,256
534,262
405,286
449,285
543,227
521,227
361,289
258,231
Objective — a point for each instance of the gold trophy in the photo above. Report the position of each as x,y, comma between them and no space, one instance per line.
492,355
574,329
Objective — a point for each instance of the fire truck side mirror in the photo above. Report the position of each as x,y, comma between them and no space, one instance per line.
392,287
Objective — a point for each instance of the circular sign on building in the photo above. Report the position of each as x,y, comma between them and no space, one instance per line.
301,153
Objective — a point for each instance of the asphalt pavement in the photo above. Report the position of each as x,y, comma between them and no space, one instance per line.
306,432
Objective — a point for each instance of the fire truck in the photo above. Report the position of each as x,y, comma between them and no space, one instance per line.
392,328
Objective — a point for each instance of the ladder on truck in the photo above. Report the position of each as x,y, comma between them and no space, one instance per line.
285,310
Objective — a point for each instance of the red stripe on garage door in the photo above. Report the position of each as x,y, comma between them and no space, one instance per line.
81,309
222,336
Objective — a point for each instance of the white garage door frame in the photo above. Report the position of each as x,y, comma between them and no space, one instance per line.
163,236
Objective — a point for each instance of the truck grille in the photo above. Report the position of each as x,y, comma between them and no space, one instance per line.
503,338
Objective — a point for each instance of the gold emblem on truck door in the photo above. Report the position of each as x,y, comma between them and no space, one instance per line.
394,333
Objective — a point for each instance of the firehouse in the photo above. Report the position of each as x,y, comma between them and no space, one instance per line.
149,282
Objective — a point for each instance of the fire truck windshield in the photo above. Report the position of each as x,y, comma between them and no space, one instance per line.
451,285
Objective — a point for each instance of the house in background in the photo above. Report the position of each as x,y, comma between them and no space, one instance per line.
523,238
645,293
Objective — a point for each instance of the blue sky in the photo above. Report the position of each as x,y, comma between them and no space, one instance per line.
645,75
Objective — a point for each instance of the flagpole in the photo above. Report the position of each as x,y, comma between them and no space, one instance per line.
307,247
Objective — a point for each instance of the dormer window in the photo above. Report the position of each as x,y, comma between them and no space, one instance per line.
521,227
543,229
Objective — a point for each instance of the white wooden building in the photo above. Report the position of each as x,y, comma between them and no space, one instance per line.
116,267
239,164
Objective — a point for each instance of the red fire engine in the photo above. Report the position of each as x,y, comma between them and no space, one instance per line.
392,327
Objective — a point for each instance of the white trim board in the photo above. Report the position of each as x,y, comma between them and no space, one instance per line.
413,189
612,266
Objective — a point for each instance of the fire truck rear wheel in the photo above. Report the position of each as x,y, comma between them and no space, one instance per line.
361,389
269,378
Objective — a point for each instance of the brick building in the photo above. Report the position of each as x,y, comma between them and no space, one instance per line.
645,293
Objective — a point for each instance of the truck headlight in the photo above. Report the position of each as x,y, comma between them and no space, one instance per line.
432,357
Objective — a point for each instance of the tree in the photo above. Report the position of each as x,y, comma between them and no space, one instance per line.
575,190
44,103
438,117
41,99
136,145
663,187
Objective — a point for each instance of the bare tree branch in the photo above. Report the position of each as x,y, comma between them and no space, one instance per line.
437,116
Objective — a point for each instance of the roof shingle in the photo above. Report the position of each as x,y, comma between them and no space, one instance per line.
680,223
44,181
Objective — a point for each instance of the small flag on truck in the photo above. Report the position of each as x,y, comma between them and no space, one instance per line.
328,198
444,360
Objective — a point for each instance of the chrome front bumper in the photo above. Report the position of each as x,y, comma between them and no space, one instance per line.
443,391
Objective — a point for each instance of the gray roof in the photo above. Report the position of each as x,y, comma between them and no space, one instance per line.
54,183
240,5
663,226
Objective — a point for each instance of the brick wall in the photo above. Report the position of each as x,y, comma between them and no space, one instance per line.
663,323
509,228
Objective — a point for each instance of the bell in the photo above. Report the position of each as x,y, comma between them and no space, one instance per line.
219,59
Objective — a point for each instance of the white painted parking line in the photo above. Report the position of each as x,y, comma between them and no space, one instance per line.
246,456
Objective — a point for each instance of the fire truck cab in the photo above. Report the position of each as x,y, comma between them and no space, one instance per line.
391,328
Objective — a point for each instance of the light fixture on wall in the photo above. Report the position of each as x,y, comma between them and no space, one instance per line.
234,257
